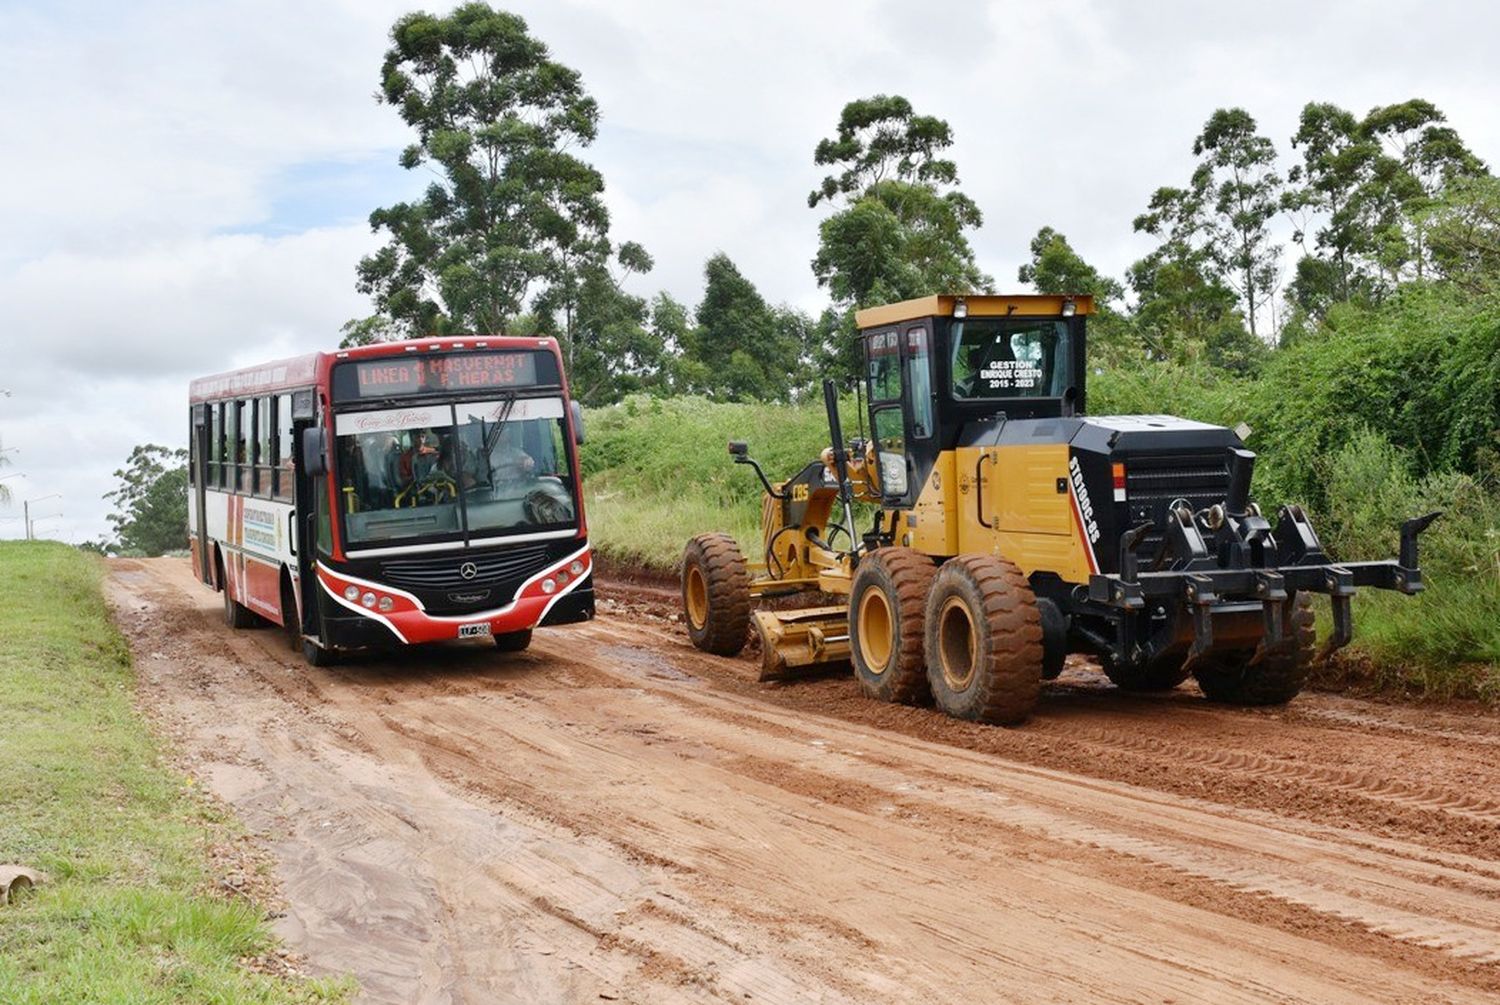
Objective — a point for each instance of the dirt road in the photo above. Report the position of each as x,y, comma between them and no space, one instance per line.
613,815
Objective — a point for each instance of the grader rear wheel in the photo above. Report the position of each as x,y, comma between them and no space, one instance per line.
1276,680
716,594
887,601
983,641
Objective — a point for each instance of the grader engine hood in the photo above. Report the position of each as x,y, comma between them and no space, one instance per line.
1132,468
1060,492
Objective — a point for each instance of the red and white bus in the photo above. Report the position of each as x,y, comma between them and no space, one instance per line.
393,494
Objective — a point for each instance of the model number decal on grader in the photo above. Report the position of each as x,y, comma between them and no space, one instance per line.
1085,506
976,611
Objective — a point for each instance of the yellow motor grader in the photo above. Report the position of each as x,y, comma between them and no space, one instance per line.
1010,529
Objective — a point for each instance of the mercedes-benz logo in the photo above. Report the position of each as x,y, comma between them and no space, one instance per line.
468,570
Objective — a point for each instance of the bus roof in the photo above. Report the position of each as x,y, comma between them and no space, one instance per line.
977,305
301,371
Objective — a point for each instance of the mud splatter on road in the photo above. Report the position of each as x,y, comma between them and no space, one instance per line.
614,815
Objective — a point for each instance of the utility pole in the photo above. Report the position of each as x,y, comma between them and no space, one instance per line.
26,510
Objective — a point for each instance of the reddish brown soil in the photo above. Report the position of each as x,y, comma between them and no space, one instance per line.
614,815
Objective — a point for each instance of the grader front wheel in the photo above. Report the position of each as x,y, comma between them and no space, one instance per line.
984,641
887,600
716,594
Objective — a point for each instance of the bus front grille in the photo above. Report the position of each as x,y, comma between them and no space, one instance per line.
488,570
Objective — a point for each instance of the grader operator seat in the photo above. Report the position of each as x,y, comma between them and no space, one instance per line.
1010,529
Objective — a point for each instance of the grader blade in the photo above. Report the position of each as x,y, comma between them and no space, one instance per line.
797,643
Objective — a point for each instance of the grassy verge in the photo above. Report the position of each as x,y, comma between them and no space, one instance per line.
657,473
86,797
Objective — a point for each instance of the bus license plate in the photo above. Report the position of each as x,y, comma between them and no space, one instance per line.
479,630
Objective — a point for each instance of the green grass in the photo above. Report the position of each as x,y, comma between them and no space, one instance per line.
657,471
86,796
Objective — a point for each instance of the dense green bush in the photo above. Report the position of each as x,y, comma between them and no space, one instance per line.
1447,640
1423,370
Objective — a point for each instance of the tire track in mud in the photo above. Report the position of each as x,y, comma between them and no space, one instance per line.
1148,748
615,811
1446,934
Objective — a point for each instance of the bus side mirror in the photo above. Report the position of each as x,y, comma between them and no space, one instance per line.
314,451
577,411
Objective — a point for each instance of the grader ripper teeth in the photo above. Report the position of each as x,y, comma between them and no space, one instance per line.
1030,529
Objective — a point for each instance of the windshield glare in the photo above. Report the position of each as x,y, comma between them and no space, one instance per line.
1009,358
491,468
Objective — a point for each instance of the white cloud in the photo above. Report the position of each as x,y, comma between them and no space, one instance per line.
147,142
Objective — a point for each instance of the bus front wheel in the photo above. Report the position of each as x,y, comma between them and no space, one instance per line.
316,655
513,642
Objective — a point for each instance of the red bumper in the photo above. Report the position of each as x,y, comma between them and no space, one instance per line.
403,614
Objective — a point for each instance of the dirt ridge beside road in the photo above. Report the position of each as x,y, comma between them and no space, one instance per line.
615,814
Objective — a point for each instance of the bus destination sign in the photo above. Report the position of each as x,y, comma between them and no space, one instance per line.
382,378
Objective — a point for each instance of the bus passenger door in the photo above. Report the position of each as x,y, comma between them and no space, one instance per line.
304,514
200,452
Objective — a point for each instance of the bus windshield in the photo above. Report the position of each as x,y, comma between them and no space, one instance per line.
1010,358
488,468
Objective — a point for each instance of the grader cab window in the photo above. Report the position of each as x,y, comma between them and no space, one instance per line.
1009,358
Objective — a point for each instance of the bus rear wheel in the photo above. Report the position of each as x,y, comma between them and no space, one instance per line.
236,615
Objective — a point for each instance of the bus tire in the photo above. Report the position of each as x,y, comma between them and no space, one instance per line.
318,656
236,615
291,617
513,642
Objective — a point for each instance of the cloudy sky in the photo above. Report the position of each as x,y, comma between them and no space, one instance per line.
184,186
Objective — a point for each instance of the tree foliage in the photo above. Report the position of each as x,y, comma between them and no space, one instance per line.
878,139
150,515
900,229
511,209
1215,232
1419,157
741,348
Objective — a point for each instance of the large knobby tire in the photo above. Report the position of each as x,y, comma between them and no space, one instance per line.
716,594
1230,678
984,641
1161,674
887,607
513,642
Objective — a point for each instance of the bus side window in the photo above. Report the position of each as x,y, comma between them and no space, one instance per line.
231,443
284,483
263,446
242,443
192,449
325,524
216,445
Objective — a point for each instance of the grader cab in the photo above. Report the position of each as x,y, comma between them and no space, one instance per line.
1009,529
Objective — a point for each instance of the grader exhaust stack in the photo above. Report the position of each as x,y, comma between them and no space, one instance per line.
1009,529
